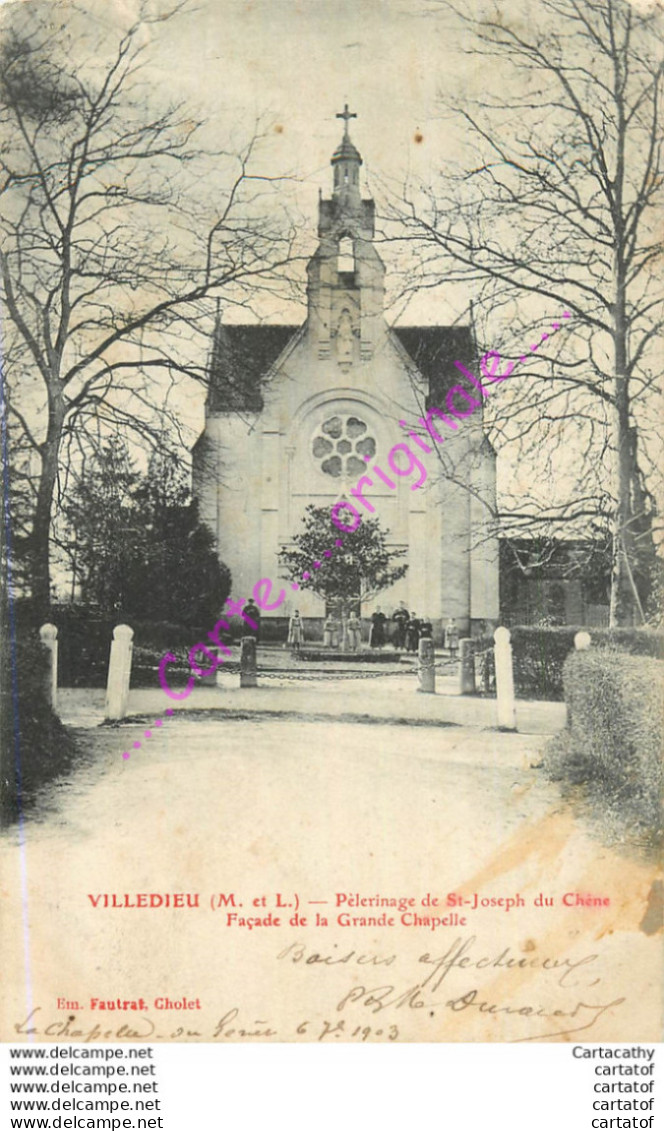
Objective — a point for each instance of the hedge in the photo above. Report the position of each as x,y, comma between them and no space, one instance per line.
84,642
84,646
35,747
615,736
540,653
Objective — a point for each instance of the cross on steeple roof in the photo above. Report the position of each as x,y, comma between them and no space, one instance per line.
346,179
346,117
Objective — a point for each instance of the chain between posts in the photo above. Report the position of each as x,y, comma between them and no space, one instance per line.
331,676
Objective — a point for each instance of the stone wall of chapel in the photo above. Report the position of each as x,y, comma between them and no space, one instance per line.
432,521
227,481
254,479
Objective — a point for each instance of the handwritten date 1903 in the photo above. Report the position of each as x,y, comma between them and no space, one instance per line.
338,1030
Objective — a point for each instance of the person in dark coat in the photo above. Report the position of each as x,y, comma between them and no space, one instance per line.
377,638
253,612
413,633
400,616
426,630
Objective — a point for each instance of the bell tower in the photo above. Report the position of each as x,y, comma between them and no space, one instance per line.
346,274
346,162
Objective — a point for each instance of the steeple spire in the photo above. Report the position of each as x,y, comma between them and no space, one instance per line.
346,163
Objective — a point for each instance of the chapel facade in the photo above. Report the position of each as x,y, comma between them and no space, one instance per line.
293,412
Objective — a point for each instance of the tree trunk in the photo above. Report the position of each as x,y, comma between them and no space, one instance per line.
623,603
40,538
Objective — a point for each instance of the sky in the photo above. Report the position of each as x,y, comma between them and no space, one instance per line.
292,65
301,60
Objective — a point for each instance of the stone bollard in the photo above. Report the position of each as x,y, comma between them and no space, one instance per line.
466,668
248,662
119,672
426,666
505,704
582,642
48,634
219,674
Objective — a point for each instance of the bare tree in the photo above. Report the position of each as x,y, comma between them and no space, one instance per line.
553,210
116,224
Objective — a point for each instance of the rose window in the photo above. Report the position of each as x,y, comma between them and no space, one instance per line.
340,444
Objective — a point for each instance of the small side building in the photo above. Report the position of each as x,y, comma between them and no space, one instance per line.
555,581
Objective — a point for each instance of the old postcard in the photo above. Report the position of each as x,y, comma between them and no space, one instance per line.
332,607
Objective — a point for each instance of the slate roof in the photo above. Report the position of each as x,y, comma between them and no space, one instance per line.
346,151
434,349
243,355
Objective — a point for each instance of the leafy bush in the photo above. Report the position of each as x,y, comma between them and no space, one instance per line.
35,747
539,655
84,646
615,734
367,566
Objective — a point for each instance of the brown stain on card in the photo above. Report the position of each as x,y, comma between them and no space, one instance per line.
543,839
555,843
653,920
629,884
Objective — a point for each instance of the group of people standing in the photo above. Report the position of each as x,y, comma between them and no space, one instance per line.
409,629
334,632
